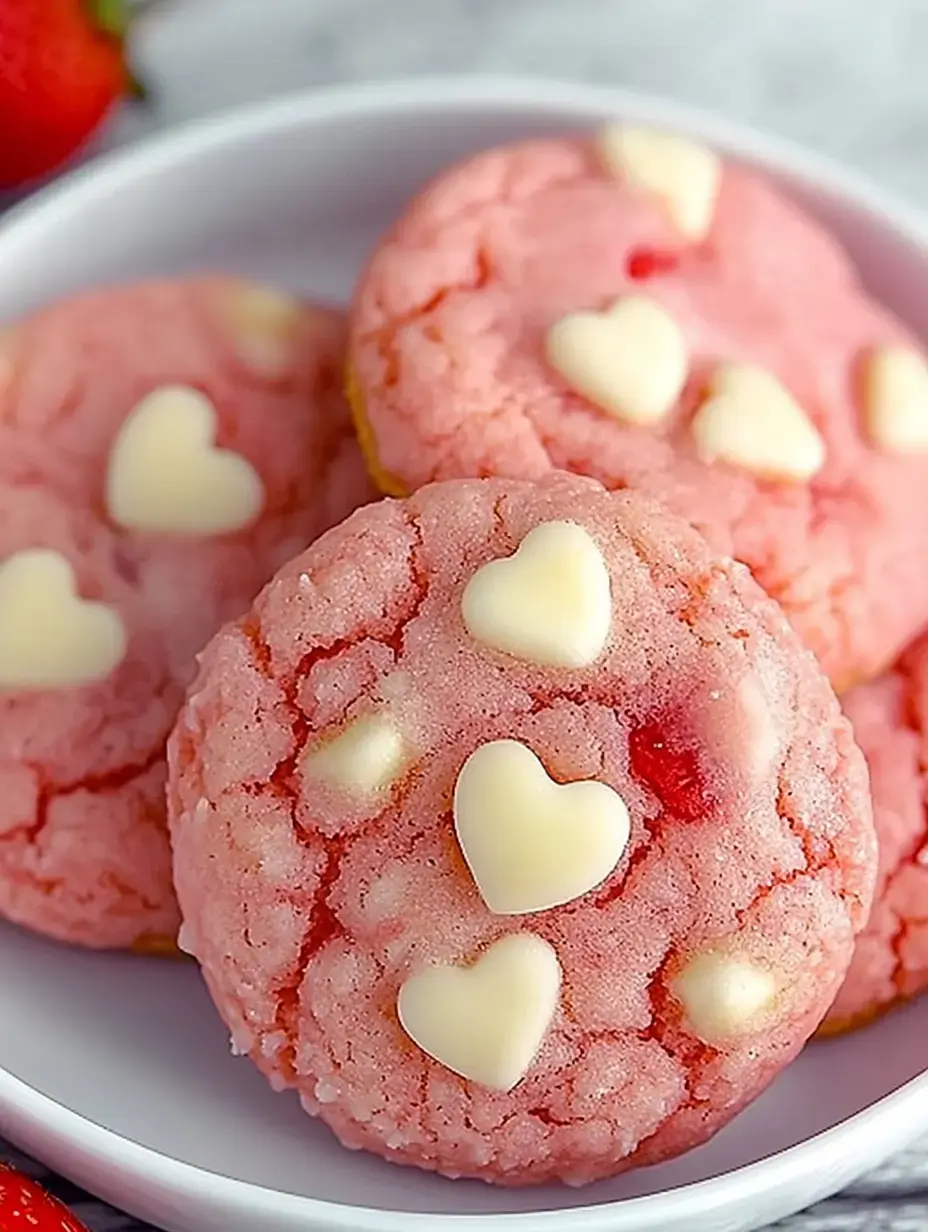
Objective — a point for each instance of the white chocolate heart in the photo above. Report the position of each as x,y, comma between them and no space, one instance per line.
631,361
165,474
265,328
752,422
485,1022
896,400
758,729
49,637
530,843
685,174
549,603
362,760
724,995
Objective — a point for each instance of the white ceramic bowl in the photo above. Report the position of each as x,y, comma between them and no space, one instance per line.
117,1071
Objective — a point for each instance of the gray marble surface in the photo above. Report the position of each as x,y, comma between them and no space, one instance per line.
844,76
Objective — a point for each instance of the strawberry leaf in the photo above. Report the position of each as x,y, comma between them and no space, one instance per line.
110,17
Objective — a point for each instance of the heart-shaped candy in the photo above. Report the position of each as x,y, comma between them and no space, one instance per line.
485,1022
50,638
750,421
549,603
896,400
530,843
631,361
166,475
683,173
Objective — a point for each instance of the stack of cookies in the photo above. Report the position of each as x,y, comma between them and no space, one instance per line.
526,820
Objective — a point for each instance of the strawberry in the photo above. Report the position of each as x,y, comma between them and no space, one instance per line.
62,67
25,1207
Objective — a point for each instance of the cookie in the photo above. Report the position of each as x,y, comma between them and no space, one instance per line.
164,448
516,831
637,311
890,964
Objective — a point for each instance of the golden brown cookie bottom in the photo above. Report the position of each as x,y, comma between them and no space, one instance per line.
385,481
158,945
856,1022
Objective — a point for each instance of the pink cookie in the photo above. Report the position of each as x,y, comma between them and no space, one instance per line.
516,831
603,307
890,719
164,448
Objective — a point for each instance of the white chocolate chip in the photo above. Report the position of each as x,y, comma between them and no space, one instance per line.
166,475
326,1093
50,637
631,361
896,400
549,603
185,941
265,327
724,995
530,843
363,760
485,1022
758,729
685,174
750,421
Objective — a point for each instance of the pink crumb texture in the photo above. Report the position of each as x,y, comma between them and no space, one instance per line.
890,720
308,908
447,360
84,850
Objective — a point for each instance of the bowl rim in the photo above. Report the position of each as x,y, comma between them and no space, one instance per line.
473,93
24,1111
799,1166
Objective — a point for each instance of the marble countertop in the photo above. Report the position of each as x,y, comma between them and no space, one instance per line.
843,76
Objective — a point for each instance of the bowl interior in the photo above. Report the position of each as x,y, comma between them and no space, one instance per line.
134,1045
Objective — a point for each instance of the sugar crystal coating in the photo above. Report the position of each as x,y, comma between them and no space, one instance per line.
311,910
452,373
84,851
890,720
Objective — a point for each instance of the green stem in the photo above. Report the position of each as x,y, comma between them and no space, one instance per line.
110,16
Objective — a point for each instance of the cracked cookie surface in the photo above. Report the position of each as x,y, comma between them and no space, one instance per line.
316,808
84,851
485,341
890,964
